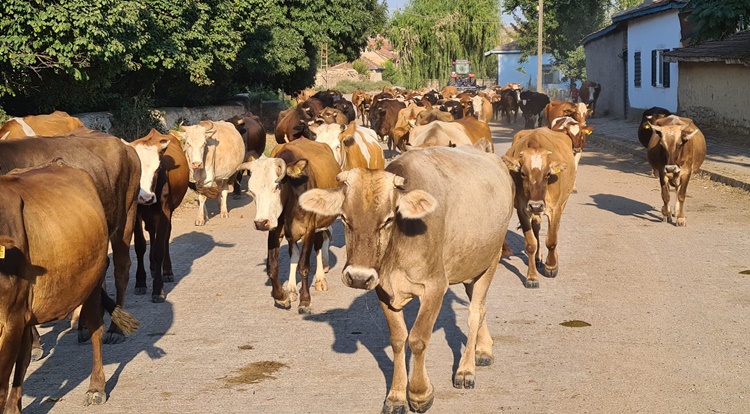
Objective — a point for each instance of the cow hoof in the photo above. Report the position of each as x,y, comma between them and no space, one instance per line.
113,338
681,222
550,272
463,380
140,290
158,298
95,398
321,285
283,304
304,310
531,284
292,295
200,222
575,191
83,335
224,215
422,406
167,277
326,269
391,408
484,360
36,354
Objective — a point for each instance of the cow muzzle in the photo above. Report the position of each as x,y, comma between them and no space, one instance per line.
197,165
146,199
263,225
360,277
535,206
672,169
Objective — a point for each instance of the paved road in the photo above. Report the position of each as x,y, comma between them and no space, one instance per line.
667,307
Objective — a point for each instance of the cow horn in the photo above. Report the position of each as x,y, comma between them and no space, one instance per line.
399,182
5,136
342,176
280,169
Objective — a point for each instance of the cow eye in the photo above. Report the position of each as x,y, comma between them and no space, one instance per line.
388,221
523,174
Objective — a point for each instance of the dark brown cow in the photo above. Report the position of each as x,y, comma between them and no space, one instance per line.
333,116
454,108
54,124
53,257
509,104
677,150
650,115
293,124
413,230
276,183
116,170
170,177
254,135
541,167
383,117
589,94
346,108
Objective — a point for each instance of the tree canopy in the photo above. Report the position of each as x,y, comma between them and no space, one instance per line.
431,34
82,54
717,19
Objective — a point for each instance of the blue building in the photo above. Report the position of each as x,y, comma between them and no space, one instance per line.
510,70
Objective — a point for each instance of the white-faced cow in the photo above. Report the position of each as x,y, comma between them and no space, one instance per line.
541,166
214,150
576,132
411,231
353,146
482,108
53,257
677,149
277,183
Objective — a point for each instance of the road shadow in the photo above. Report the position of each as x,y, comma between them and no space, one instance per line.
625,207
363,323
517,244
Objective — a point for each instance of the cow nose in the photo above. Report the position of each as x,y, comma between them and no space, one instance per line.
536,206
147,199
360,278
674,169
262,225
197,165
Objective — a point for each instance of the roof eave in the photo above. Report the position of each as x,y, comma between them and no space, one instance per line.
645,12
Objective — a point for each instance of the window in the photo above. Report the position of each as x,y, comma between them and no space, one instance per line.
659,69
637,71
550,75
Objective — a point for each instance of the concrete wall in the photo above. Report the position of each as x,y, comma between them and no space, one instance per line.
604,67
658,31
508,70
715,94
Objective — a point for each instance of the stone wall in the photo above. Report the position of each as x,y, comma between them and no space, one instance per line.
334,76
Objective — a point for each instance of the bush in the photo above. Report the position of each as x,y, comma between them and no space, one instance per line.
360,66
4,117
133,119
347,86
391,73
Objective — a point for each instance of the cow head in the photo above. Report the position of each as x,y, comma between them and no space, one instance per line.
574,129
533,170
673,133
196,140
372,204
329,135
268,176
149,149
330,115
476,105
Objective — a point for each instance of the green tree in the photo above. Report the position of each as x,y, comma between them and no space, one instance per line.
360,66
431,34
391,73
717,19
565,23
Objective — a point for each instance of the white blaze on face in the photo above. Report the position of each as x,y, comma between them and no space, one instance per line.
591,93
536,162
574,129
264,172
329,135
195,144
476,104
149,156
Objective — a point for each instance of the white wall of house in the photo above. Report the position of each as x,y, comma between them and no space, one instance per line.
508,70
656,32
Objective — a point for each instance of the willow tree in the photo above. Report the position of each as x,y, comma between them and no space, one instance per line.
430,34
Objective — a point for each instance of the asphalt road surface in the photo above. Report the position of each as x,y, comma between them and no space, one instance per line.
667,309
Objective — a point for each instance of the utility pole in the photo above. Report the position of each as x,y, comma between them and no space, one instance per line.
539,49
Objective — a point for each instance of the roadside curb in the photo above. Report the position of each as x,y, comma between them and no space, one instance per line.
638,150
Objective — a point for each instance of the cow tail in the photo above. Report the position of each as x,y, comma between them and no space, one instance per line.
123,319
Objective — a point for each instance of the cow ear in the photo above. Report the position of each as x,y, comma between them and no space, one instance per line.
416,204
240,121
348,140
325,202
296,169
655,127
557,167
512,163
399,182
558,124
686,136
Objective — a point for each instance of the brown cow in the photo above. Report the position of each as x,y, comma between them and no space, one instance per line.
383,118
577,133
533,158
116,170
413,230
449,92
677,150
425,117
293,124
404,123
589,94
362,101
163,161
333,116
53,257
276,183
509,99
557,109
54,124
254,134
353,146
650,115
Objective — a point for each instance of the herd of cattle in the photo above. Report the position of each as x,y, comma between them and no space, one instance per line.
404,222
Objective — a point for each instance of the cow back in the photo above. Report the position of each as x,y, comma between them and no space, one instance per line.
227,154
54,124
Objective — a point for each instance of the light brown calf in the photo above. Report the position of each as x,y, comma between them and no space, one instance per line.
54,124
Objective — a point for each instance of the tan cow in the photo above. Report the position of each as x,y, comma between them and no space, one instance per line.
449,92
404,123
533,158
677,150
577,134
428,221
438,134
556,109
353,146
482,108
54,124
214,151
425,117
362,101
333,116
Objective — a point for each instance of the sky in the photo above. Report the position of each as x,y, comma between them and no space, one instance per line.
394,5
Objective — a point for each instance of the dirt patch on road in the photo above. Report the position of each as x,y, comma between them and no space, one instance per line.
254,373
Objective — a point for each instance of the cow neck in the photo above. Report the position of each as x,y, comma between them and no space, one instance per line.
210,164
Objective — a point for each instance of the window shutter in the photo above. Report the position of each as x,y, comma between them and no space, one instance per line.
637,70
665,70
653,68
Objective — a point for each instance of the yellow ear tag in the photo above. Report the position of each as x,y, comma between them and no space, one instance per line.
2,252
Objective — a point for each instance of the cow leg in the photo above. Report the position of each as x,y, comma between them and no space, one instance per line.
200,219
577,158
223,201
121,258
272,268
93,312
664,181
395,402
551,267
679,206
421,391
167,273
531,248
321,247
237,184
37,352
304,271
158,239
15,349
291,283
140,251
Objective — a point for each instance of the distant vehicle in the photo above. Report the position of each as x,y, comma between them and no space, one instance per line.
462,76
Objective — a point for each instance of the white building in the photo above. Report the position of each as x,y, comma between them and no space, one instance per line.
511,70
